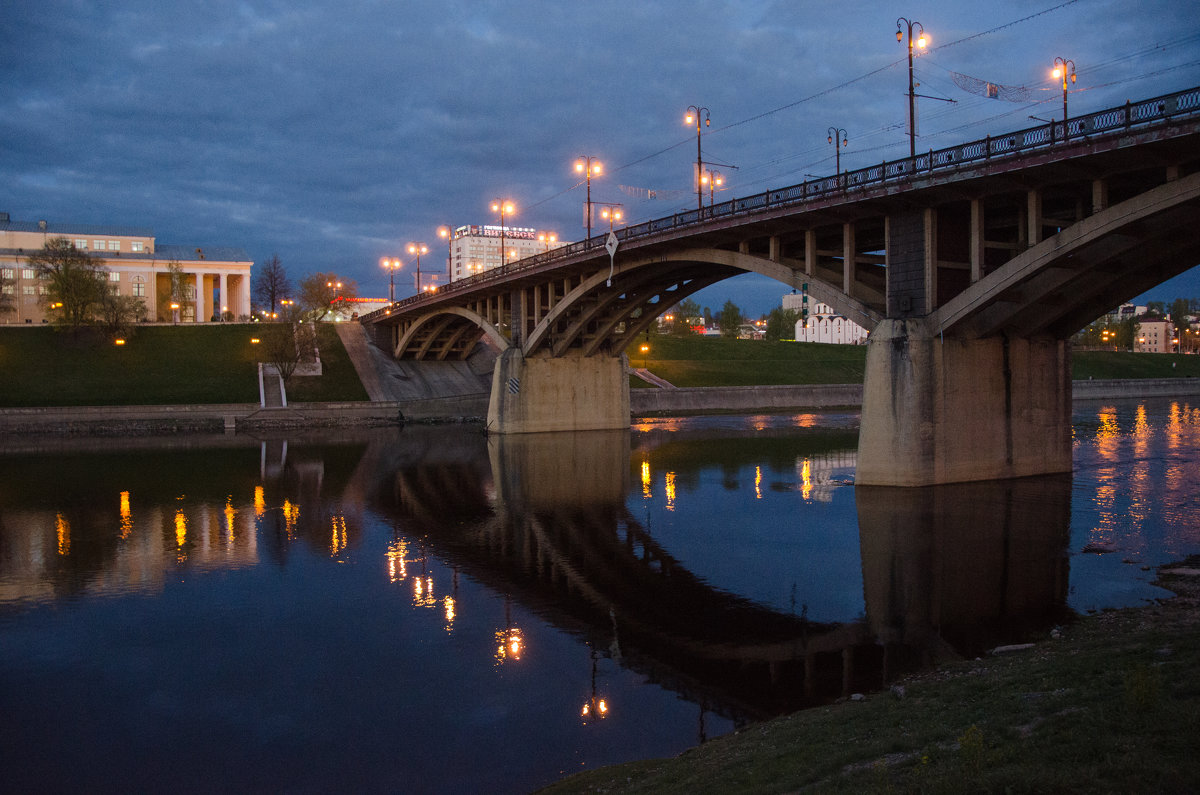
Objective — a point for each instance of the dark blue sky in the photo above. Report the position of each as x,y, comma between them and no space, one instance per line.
333,134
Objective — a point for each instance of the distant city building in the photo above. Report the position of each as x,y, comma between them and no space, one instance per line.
1125,312
218,277
1155,336
474,249
823,324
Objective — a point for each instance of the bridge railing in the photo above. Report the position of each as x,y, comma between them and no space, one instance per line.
1131,115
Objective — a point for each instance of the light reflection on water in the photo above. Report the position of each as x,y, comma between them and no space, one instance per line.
462,614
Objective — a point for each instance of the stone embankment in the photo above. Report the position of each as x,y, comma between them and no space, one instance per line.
147,420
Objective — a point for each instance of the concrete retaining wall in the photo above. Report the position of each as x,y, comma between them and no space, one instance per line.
218,418
743,398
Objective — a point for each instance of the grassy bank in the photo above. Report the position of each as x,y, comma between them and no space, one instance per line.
1112,705
158,365
715,361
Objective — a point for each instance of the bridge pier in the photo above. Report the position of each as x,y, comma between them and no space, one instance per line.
952,411
569,393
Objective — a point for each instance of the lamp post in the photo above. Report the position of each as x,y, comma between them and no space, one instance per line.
547,239
713,180
391,265
834,134
445,233
1062,68
504,207
912,98
588,165
694,114
418,249
611,213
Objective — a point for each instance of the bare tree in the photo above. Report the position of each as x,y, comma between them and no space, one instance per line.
271,284
321,294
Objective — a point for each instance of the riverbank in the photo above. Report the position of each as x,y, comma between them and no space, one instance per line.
1107,704
233,417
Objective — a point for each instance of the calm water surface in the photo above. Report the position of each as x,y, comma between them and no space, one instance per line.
430,610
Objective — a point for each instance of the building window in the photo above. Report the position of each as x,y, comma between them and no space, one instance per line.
113,276
81,244
8,273
98,245
42,289
139,286
27,273
8,289
28,289
137,246
114,245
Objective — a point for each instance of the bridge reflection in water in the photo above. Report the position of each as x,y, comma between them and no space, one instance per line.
545,519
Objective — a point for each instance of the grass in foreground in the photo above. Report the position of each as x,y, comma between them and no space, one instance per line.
1111,706
158,365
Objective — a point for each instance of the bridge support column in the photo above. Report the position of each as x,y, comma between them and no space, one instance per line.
951,411
572,393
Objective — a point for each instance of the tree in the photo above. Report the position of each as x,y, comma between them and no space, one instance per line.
176,291
1157,307
75,283
781,324
271,284
686,313
1181,316
118,313
729,319
321,293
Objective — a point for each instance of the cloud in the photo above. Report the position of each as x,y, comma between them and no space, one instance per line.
332,134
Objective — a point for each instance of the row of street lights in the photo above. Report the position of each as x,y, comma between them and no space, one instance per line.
590,166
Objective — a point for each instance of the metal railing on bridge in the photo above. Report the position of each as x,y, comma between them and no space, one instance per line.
1131,115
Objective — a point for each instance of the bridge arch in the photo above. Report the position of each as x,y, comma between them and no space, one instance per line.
603,315
445,331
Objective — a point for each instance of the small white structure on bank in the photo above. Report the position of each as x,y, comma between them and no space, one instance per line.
823,324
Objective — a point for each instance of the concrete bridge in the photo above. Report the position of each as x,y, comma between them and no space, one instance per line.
971,265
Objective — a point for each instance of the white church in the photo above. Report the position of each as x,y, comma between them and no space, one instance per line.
823,324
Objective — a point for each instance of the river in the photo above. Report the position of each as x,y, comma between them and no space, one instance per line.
430,610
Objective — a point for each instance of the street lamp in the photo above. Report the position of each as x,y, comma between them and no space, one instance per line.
713,180
444,232
611,213
504,207
174,314
834,134
1064,68
694,114
418,249
547,239
391,265
588,165
912,98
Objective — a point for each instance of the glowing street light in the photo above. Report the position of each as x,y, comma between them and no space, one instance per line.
444,232
391,265
418,249
505,208
588,165
611,213
1064,68
694,114
713,180
547,239
834,134
912,98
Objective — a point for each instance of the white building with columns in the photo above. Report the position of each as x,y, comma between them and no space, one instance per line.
216,278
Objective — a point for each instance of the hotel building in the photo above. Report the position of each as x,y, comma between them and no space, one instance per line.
474,249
